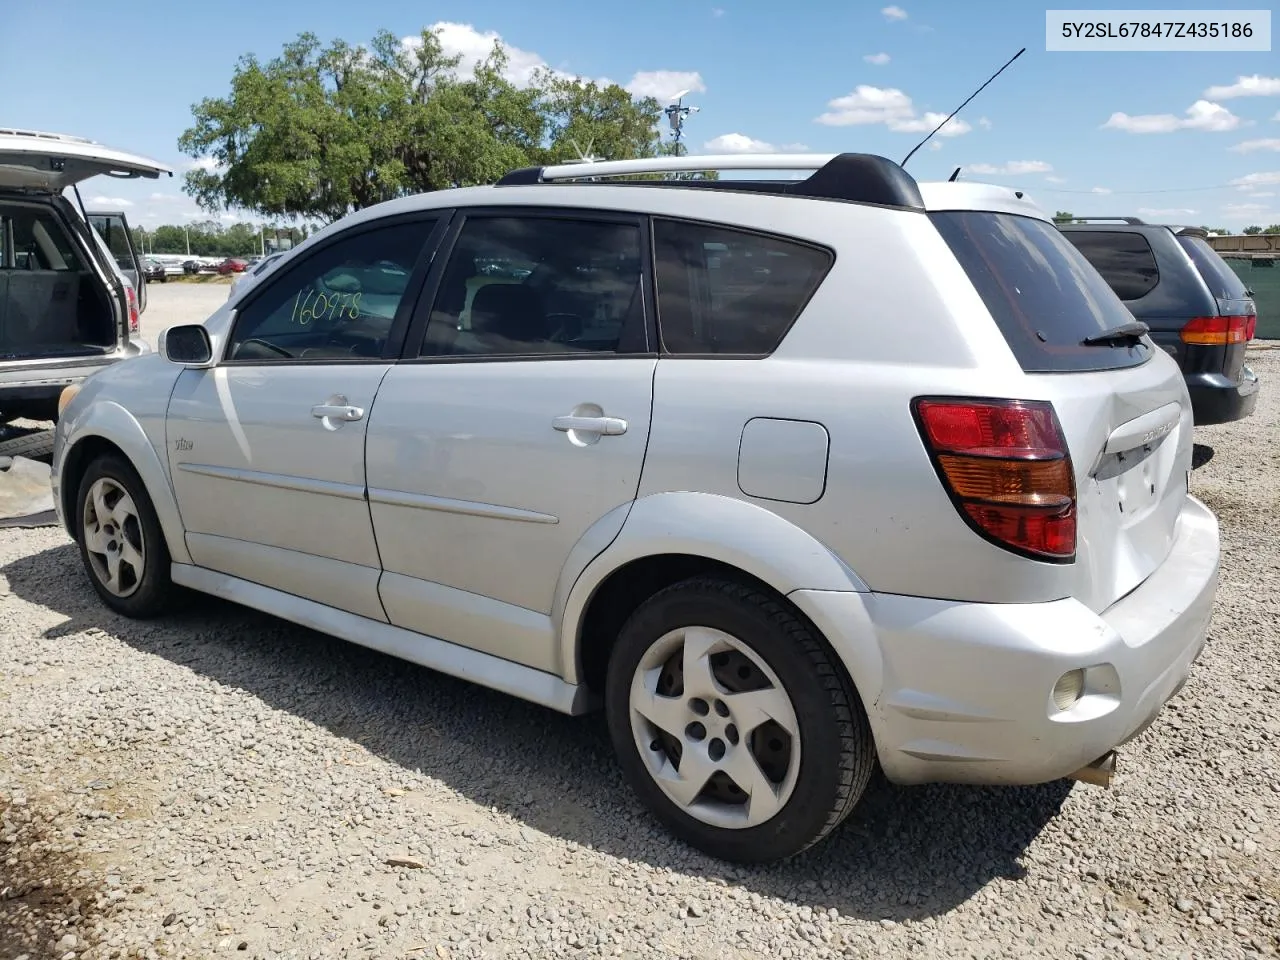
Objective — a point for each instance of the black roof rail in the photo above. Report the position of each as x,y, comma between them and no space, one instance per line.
850,177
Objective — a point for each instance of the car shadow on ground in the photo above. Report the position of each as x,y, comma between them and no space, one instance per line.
903,854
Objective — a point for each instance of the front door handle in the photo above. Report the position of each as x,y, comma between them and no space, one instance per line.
337,411
605,426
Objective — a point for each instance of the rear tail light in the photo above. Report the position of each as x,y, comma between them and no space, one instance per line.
1006,466
133,309
1219,331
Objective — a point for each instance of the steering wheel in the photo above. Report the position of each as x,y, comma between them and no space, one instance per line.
278,351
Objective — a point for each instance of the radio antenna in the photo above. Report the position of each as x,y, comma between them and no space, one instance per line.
961,107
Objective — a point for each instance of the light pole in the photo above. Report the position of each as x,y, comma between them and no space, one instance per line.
677,113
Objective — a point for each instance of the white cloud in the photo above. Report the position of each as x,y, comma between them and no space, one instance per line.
1053,179
1254,86
934,145
1260,193
207,164
474,46
984,123
717,11
1014,168
1248,146
1244,209
925,123
1102,190
868,105
1164,211
1276,118
1201,115
662,85
894,13
110,202
1271,178
879,59
741,143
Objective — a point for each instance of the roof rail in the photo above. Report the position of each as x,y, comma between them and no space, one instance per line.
851,177
1132,221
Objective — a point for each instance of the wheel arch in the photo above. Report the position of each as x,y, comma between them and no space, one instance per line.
108,428
669,537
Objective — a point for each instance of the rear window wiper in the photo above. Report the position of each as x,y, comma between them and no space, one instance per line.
1130,332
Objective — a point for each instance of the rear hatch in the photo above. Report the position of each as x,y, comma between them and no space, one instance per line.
51,162
1122,403
1235,305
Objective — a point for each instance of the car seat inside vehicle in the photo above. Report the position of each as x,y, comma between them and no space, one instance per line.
51,303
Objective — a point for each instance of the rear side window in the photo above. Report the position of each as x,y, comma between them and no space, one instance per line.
726,291
1223,282
1125,260
1044,295
112,230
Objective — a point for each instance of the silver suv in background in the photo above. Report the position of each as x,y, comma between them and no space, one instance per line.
67,308
792,477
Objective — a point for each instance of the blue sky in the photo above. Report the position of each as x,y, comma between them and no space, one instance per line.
1189,137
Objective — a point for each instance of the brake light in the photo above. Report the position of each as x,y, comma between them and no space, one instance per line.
1006,467
133,309
1250,327
1219,331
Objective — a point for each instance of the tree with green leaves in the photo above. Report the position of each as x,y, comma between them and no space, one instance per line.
320,131
1251,231
1063,216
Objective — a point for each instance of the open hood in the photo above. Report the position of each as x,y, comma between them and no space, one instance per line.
51,162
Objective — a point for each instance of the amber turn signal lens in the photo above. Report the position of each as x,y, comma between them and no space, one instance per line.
68,394
1022,482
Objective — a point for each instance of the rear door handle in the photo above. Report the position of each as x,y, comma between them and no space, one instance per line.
605,426
337,411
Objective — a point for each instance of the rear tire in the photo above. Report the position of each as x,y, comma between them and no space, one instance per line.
121,543
713,682
31,445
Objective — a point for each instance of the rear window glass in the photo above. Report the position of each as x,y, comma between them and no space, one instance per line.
1125,260
1044,295
1222,280
728,291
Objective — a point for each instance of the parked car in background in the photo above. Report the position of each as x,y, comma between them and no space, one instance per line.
67,309
241,280
793,481
1195,305
232,265
155,270
113,227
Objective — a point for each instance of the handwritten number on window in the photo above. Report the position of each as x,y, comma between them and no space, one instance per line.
316,306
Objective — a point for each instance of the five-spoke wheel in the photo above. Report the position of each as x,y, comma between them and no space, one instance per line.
734,722
120,540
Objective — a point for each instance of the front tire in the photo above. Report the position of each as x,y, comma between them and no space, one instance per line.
121,543
734,724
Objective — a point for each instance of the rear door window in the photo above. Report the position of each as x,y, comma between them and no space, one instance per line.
112,230
1125,260
1045,296
1223,282
726,291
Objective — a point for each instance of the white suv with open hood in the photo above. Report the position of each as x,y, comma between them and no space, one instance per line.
66,306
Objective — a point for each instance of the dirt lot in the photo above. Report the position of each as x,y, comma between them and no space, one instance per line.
220,783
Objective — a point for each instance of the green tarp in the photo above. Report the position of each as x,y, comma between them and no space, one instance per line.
1262,276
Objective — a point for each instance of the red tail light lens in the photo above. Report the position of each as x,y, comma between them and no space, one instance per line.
1250,327
133,309
1006,466
1218,331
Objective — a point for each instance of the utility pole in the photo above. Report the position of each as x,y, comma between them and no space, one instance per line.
677,113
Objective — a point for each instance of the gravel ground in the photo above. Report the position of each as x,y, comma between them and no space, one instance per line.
220,783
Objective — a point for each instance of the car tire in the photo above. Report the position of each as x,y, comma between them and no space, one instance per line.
117,529
33,446
799,736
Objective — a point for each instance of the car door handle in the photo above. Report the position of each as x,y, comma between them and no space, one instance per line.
337,411
605,426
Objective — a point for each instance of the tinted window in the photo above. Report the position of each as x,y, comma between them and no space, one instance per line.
517,286
728,291
1044,295
1222,280
112,230
337,303
1125,260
